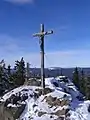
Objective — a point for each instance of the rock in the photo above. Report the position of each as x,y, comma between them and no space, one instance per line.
60,112
34,105
57,102
10,113
41,113
7,102
25,90
66,112
35,96
50,100
24,97
33,82
31,95
14,113
15,100
64,102
55,84
89,108
53,101
60,118
46,91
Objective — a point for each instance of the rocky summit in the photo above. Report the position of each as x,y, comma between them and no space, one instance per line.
61,101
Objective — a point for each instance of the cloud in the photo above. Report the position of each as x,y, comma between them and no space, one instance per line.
20,1
11,49
72,58
52,59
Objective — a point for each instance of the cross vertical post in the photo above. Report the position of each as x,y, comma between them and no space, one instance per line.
42,57
41,41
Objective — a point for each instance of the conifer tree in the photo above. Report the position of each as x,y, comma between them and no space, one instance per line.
28,70
76,77
20,72
87,88
10,75
82,82
1,73
9,70
3,76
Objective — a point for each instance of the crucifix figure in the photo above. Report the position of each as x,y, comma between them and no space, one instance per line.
41,38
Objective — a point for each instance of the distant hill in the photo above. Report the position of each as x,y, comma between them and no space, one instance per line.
54,71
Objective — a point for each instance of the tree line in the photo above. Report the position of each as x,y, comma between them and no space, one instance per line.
82,82
11,78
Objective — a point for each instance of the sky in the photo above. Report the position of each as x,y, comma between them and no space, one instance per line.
68,46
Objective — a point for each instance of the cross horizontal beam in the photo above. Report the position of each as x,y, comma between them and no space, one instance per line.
43,33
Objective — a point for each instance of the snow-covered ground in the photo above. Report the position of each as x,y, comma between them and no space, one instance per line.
79,110
62,90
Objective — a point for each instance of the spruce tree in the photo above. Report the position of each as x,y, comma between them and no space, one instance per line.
10,76
76,77
28,70
1,73
20,72
3,76
9,70
82,82
9,73
87,89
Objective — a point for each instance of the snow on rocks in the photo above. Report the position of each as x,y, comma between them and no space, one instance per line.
41,108
60,95
22,90
55,103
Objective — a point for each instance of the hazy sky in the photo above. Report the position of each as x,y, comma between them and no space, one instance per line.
69,46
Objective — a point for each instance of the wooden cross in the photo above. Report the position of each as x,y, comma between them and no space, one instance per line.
41,36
